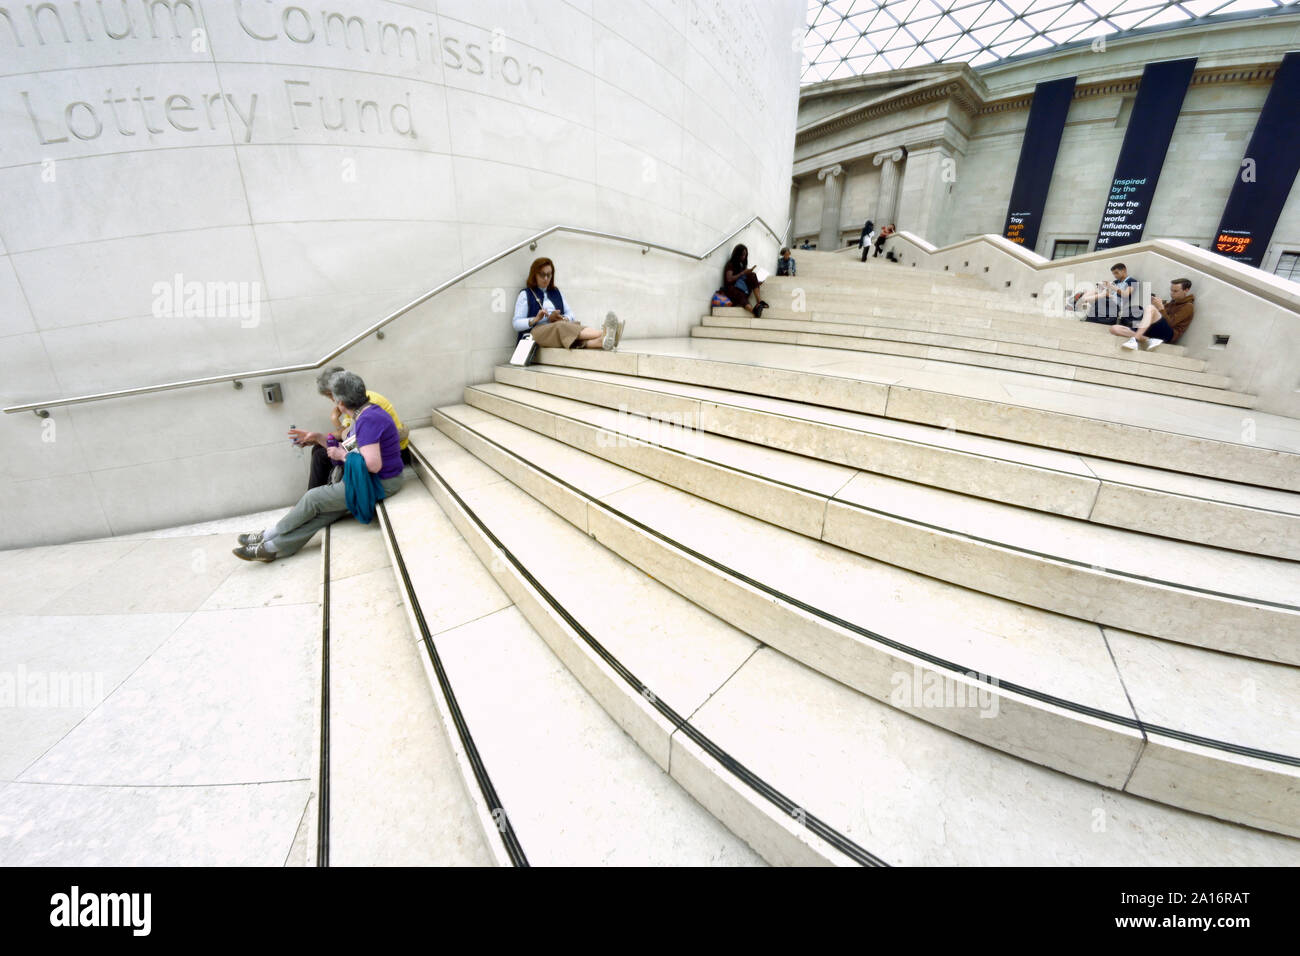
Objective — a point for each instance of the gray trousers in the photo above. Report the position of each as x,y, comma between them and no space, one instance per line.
317,508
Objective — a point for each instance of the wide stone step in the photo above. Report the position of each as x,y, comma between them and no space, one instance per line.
1064,332
649,673
1242,604
565,786
1116,360
1127,380
1046,688
810,297
1134,497
828,293
1042,331
1130,433
895,278
850,266
395,795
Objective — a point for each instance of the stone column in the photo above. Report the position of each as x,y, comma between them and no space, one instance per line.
832,195
887,204
925,200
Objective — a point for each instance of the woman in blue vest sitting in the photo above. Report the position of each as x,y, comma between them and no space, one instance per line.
372,469
540,310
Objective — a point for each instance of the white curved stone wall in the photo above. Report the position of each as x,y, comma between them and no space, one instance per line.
196,187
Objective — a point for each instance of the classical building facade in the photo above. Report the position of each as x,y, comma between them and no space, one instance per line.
935,148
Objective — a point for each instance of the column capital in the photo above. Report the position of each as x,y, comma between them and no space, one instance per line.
830,171
890,155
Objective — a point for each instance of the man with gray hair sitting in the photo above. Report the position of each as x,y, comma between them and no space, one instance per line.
374,439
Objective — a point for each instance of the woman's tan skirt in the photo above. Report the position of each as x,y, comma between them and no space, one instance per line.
556,335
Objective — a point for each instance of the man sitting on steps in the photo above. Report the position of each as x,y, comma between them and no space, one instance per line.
1163,321
1111,301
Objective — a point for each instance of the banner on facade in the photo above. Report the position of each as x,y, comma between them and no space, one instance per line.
1037,160
1146,140
1266,174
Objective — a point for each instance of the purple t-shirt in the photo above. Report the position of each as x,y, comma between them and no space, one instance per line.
374,425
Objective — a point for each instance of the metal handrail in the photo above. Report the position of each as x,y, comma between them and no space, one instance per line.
41,407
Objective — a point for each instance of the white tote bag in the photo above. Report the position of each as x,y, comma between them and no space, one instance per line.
524,351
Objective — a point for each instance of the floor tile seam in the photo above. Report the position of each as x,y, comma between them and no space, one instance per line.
302,821
99,704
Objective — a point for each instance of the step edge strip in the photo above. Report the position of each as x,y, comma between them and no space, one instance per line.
1133,723
756,783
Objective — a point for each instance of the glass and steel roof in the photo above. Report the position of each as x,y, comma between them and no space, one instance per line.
852,37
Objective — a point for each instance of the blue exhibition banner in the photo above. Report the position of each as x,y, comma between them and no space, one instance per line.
1037,160
1267,172
1146,140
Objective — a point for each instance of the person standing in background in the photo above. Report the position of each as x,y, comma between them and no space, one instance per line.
864,240
883,238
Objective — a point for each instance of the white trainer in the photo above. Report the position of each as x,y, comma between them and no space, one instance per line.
611,332
1130,344
1153,344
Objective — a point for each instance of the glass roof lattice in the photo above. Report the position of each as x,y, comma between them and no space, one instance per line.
851,37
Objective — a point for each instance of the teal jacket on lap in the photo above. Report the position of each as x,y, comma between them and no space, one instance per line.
361,488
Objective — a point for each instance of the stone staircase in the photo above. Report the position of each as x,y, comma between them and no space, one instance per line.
853,611
546,772
887,309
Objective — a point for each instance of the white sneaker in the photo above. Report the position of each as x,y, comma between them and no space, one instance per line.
1153,344
618,335
611,332
1130,344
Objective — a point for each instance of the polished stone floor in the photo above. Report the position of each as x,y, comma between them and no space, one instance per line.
158,701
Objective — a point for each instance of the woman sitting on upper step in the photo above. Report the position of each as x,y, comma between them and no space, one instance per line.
540,310
739,282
